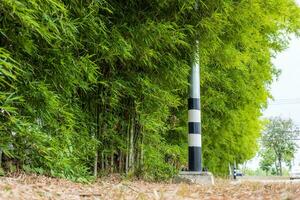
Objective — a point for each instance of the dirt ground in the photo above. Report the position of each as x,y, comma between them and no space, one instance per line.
40,187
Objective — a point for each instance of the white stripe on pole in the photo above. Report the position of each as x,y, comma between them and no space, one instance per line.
194,115
194,140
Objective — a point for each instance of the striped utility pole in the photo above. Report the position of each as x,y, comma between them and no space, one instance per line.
194,116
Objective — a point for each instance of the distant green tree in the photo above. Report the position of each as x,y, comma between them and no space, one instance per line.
267,161
278,144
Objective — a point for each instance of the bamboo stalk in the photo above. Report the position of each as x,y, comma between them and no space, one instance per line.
96,164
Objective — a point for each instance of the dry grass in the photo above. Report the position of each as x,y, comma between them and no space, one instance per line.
40,187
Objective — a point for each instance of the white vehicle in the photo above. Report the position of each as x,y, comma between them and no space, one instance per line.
295,174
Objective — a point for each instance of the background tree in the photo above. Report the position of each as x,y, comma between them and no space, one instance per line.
267,161
278,144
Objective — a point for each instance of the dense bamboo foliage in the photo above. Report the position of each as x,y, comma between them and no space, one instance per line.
101,86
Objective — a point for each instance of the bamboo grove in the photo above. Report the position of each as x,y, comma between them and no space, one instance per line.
96,86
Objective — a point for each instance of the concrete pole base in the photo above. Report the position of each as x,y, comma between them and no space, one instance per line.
190,177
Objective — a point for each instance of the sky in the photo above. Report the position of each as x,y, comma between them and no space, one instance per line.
286,90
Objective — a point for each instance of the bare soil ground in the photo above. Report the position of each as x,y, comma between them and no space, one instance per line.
40,187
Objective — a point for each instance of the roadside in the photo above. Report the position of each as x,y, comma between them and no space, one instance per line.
40,187
265,180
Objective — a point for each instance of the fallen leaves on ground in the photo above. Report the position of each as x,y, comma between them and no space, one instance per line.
41,187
